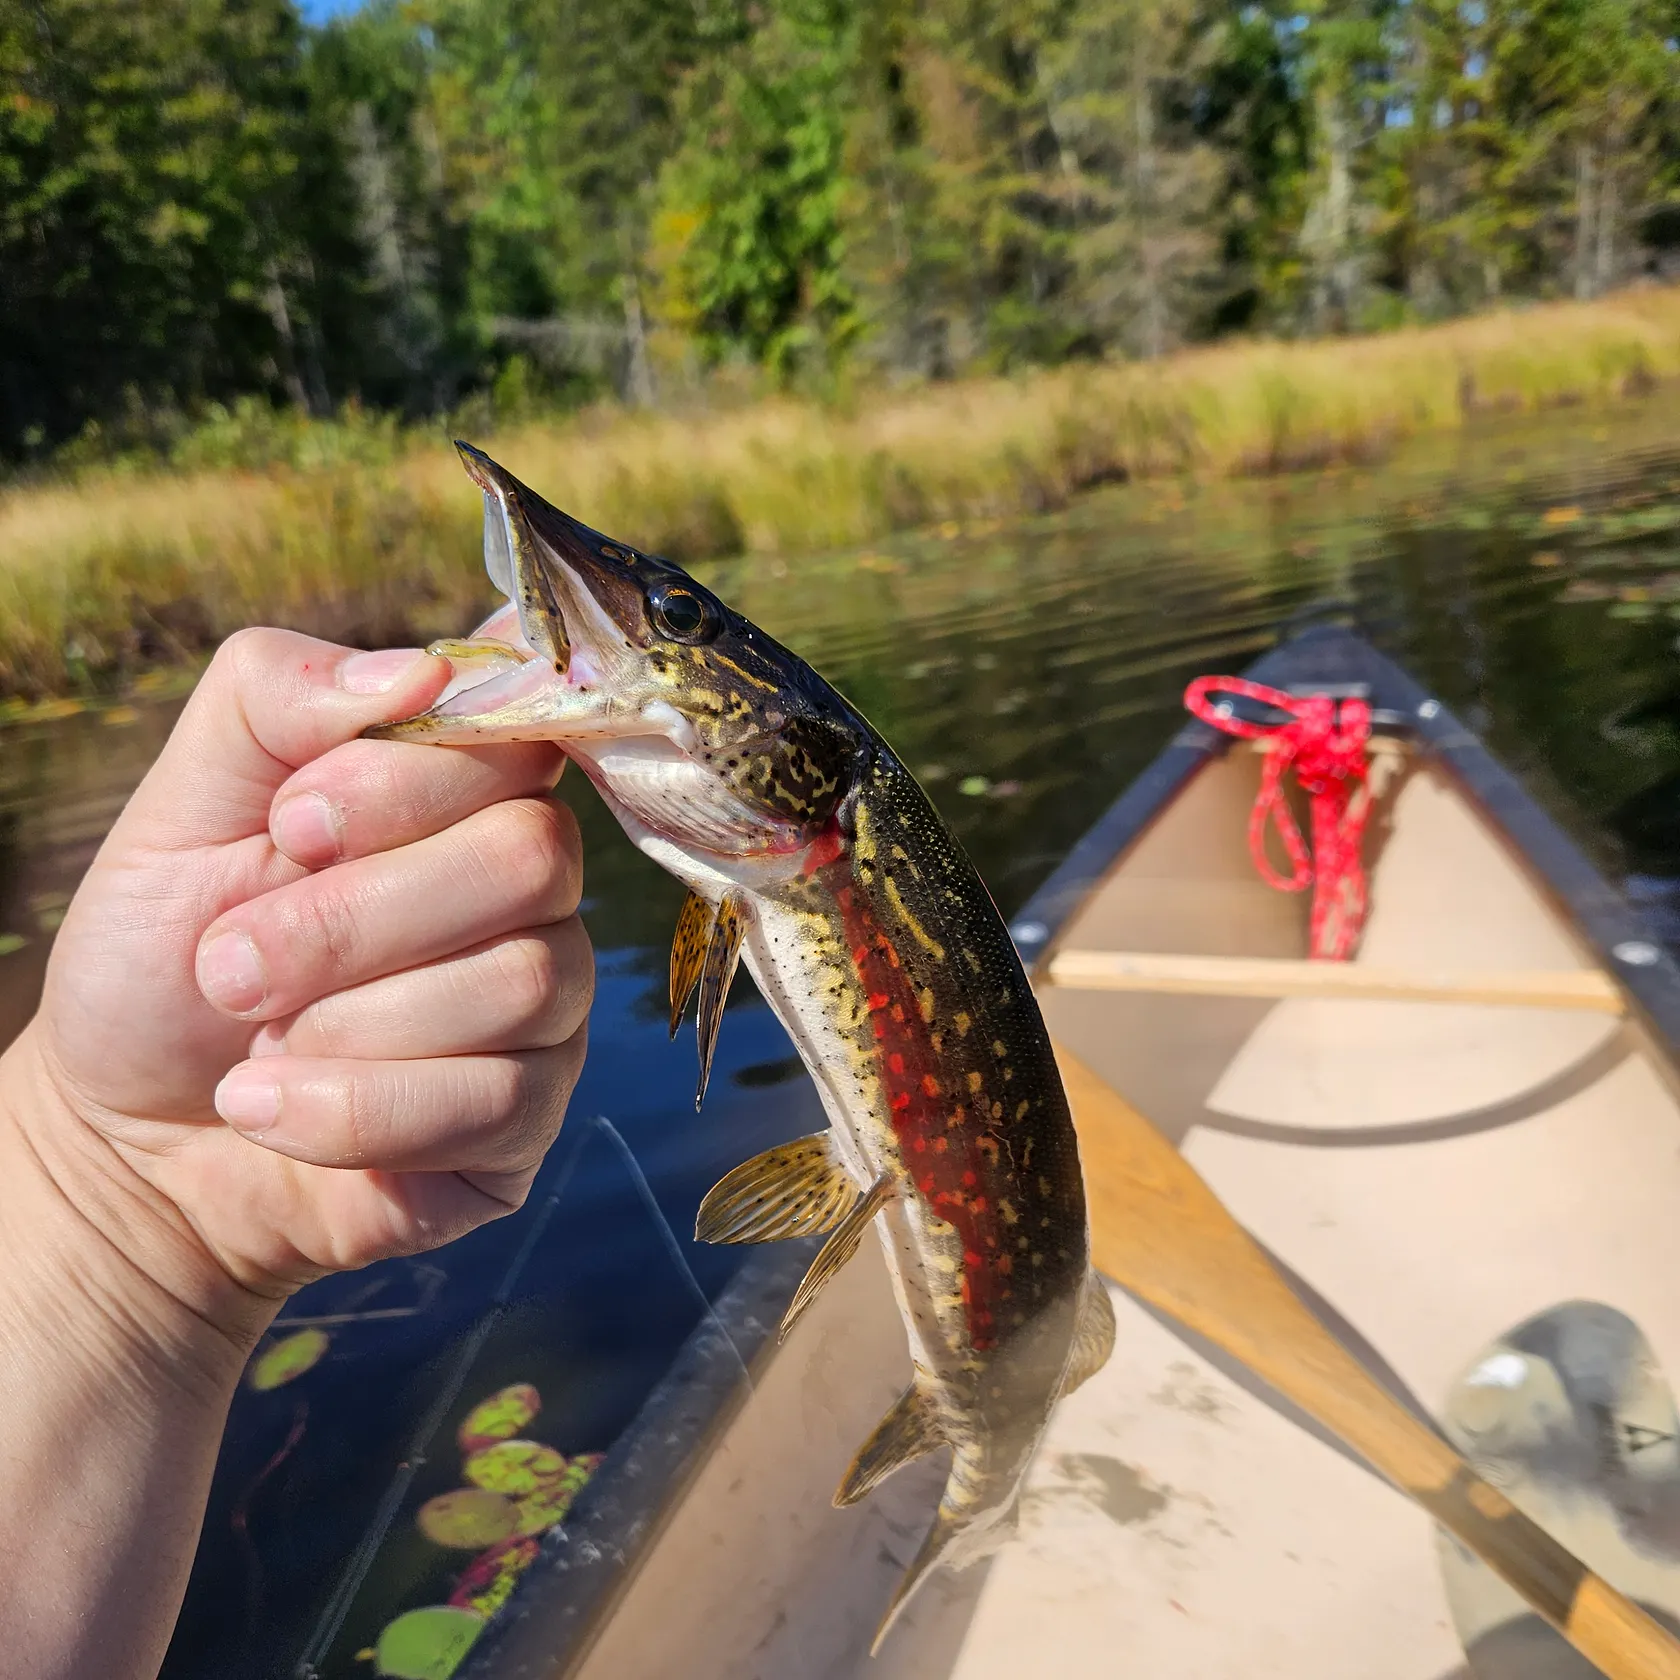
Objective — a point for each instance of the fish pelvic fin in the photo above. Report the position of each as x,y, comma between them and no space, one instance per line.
794,1190
959,1536
910,1429
688,954
1093,1337
723,951
841,1246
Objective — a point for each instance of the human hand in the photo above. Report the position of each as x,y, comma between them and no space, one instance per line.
320,1000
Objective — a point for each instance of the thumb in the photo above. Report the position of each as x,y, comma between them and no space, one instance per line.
270,702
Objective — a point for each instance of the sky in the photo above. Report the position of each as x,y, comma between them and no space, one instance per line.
318,11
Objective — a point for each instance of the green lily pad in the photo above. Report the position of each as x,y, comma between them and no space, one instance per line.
549,1504
515,1467
10,942
467,1519
427,1644
974,786
286,1360
499,1417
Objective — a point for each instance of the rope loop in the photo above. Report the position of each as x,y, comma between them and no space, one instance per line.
1326,744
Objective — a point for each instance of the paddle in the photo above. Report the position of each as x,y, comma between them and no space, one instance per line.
1160,1232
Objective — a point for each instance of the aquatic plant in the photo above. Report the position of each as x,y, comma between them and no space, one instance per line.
286,1360
111,575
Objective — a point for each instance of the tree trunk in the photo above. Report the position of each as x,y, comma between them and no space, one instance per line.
1152,323
1604,253
639,375
281,316
1586,199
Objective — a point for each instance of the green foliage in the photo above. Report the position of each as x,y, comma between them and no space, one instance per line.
210,213
751,202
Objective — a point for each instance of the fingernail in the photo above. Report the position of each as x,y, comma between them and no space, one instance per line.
248,1100
306,828
230,974
376,673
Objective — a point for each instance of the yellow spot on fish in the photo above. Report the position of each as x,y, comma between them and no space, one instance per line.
1021,1109
997,1111
962,1023
1038,1259
974,1081
924,1002
919,933
1007,1209
998,1048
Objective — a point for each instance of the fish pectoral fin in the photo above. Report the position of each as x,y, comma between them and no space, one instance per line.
688,954
729,924
1093,1338
840,1247
910,1429
794,1190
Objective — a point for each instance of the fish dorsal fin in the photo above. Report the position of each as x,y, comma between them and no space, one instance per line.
840,1247
688,954
910,1429
1093,1339
794,1190
729,923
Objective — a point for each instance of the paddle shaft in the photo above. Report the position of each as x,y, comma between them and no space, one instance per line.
1159,1231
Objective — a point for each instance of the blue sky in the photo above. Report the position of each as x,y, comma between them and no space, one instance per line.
318,11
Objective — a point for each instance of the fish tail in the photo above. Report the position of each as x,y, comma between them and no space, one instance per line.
970,1521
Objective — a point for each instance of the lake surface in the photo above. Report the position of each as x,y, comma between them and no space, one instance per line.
1529,572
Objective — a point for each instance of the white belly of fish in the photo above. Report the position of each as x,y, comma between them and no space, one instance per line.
775,957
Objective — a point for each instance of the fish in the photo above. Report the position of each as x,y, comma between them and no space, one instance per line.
811,855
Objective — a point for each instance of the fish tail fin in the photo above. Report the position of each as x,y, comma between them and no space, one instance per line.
966,1526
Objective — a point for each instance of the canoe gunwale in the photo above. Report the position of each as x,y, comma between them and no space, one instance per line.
586,1566
1328,656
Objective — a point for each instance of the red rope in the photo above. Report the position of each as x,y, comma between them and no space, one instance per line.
1326,746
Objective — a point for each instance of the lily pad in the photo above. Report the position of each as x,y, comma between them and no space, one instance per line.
499,1417
286,1360
468,1519
974,786
515,1467
550,1504
427,1644
487,1583
10,942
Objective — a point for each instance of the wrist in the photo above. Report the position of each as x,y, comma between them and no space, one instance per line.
99,1265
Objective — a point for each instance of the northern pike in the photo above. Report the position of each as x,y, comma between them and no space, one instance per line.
809,851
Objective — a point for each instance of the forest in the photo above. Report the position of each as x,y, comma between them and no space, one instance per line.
538,204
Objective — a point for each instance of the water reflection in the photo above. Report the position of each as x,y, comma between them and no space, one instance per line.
1530,574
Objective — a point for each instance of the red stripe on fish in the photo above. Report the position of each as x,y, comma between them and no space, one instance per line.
950,1153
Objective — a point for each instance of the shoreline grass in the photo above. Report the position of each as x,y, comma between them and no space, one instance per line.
116,573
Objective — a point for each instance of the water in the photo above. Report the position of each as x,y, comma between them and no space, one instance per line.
1530,573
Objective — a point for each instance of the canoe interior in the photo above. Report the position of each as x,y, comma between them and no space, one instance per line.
1428,1174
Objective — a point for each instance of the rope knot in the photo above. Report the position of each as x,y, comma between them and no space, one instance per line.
1326,746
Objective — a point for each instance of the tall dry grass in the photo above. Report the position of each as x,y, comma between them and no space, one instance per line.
113,574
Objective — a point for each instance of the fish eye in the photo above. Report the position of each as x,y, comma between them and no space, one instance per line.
680,613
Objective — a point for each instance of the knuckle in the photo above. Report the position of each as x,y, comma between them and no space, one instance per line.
538,854
326,928
528,977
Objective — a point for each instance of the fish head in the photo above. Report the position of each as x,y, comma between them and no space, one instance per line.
700,731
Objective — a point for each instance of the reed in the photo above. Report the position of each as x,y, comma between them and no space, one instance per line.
116,572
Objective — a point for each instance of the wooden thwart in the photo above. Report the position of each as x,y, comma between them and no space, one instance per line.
1277,977
1160,1232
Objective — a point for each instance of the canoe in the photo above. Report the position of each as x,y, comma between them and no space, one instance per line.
1471,1122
